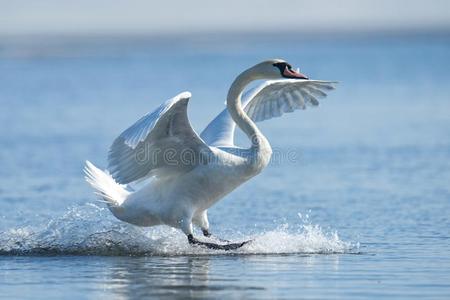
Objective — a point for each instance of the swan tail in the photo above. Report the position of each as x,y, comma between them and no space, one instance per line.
106,188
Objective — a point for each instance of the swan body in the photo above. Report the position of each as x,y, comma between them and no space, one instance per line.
161,172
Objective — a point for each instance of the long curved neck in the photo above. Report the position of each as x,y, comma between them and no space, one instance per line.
239,116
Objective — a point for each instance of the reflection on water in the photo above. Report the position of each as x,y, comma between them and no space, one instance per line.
210,277
180,277
169,276
293,276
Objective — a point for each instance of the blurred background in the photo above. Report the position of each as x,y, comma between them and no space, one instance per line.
163,17
372,162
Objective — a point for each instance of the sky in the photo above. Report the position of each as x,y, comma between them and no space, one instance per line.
180,16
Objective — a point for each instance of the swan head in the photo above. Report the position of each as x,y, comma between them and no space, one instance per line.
277,69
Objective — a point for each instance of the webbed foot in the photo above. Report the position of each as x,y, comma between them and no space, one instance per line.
208,234
230,246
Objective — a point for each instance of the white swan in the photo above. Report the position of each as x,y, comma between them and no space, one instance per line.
182,174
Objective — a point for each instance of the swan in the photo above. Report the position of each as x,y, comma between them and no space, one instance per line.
160,171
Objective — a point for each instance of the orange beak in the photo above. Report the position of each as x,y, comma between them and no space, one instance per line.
293,74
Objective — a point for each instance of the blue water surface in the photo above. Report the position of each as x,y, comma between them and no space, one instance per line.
355,205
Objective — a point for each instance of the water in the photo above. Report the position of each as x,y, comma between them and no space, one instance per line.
356,204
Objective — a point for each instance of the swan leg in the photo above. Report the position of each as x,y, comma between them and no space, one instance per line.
201,220
206,232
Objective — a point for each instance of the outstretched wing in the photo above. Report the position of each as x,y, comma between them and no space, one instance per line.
161,143
269,100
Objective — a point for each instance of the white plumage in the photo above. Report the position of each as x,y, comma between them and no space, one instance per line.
186,174
271,99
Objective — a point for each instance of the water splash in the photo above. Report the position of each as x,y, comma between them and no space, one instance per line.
92,230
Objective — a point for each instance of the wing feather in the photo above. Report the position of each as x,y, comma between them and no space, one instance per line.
141,150
267,109
268,100
290,104
316,92
309,99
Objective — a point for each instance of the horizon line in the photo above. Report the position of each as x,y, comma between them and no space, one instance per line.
440,31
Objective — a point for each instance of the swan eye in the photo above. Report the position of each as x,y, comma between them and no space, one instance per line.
282,66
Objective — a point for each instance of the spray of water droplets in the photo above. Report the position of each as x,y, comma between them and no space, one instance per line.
92,230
